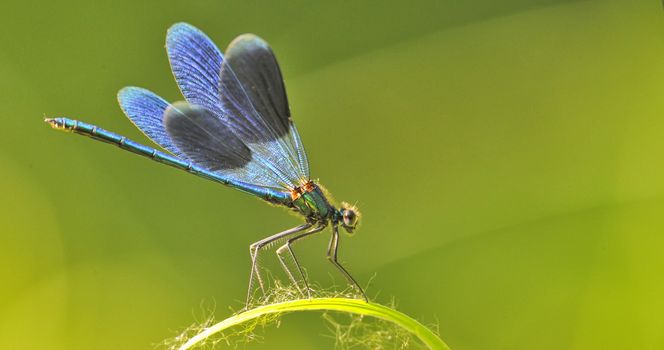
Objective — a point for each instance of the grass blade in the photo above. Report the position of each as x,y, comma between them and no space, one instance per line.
354,306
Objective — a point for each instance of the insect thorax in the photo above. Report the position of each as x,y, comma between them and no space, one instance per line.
310,201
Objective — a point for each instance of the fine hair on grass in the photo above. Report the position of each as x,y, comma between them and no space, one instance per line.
353,323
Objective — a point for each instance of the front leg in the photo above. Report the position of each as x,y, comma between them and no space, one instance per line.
256,247
332,256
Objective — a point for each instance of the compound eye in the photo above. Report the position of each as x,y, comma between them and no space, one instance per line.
350,218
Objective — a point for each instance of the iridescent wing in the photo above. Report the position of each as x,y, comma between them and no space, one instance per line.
206,140
146,110
194,133
196,63
210,143
246,93
253,93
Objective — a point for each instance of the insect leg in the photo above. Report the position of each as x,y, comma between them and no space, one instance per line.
332,256
256,247
287,246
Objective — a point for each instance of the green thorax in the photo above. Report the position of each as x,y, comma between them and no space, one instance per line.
313,204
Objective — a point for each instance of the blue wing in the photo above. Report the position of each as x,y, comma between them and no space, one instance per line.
146,110
253,94
211,144
196,63
251,102
193,133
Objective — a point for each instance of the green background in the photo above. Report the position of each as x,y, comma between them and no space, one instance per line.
506,156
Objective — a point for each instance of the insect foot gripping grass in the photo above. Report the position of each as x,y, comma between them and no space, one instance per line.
401,327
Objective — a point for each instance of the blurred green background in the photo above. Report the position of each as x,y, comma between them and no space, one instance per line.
507,157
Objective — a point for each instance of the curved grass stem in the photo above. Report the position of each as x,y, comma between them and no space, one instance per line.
354,306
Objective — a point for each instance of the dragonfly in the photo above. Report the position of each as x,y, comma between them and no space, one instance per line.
234,128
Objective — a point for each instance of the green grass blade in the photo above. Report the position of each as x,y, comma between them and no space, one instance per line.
354,306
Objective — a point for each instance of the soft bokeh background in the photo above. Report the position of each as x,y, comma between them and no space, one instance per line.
507,157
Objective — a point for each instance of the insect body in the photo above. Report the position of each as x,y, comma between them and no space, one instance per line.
235,129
